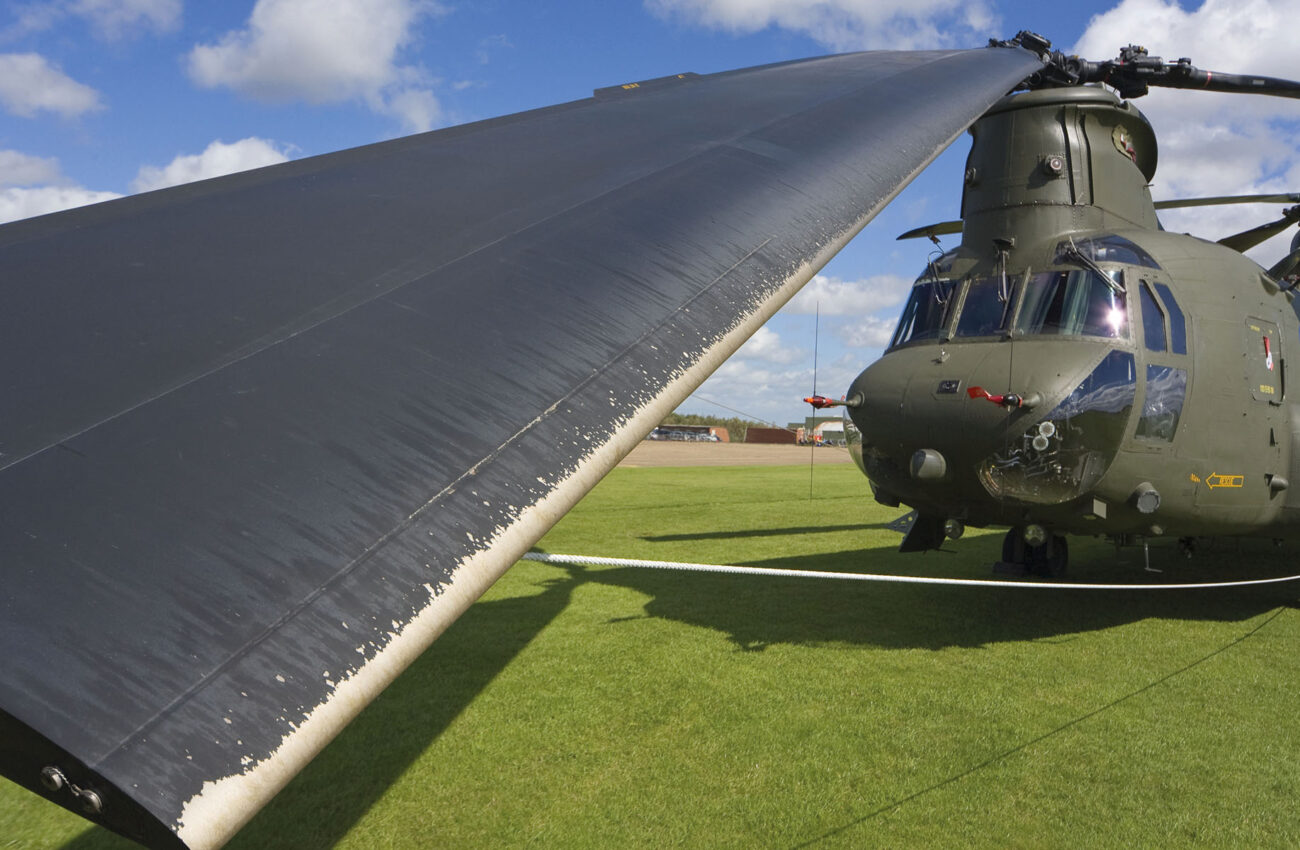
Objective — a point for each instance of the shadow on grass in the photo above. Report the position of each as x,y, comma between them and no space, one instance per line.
320,806
323,802
758,612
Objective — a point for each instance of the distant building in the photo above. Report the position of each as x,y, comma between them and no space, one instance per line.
757,434
820,430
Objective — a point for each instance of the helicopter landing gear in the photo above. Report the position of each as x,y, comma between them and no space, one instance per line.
1047,559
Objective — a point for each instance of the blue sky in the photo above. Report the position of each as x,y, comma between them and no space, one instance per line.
106,97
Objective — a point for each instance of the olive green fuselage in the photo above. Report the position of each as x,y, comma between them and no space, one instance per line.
1073,366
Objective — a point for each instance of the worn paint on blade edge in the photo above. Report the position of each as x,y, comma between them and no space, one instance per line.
212,816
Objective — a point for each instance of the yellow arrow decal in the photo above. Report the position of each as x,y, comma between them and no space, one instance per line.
1214,480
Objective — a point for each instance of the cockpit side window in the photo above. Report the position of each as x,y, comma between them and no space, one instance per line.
926,313
1166,389
1177,323
1072,303
1153,320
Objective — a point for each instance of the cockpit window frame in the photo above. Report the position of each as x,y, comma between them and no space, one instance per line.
1011,305
1155,332
1109,248
1117,282
1117,285
941,331
1175,316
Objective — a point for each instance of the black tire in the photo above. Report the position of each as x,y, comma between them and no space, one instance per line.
1052,558
1013,547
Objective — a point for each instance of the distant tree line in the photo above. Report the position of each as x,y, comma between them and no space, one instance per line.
736,427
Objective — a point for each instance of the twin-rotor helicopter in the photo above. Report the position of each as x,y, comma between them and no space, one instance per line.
1073,368
237,490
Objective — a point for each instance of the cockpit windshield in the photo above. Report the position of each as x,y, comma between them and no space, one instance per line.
1073,303
986,308
1064,302
927,311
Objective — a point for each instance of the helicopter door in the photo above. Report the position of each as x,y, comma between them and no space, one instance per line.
1248,447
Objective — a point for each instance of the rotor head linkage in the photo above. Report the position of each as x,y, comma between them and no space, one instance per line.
1134,71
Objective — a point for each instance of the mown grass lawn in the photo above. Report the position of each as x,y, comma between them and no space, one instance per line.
616,707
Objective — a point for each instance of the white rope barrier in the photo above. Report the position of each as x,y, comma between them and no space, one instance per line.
591,561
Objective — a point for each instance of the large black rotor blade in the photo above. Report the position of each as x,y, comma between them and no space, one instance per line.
238,490
1248,239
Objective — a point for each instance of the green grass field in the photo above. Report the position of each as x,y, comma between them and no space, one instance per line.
617,707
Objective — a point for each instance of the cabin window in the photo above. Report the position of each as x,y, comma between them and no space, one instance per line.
1177,323
984,312
1078,302
925,316
1166,388
1153,320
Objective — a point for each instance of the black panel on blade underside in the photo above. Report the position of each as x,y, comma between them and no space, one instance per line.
265,436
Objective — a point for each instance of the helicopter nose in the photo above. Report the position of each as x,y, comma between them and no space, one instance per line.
921,432
933,436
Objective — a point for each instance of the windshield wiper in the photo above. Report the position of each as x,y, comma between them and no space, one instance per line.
1074,255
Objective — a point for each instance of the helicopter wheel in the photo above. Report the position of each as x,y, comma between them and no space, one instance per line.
1051,558
1048,560
1014,548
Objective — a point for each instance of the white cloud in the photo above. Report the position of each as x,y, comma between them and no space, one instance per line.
31,185
868,332
16,203
324,51
110,20
1234,36
761,392
766,345
490,45
115,19
217,159
832,296
32,17
1215,144
20,169
845,24
418,109
30,84
35,185
756,391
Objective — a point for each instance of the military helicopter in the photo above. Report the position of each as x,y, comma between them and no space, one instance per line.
1073,368
237,496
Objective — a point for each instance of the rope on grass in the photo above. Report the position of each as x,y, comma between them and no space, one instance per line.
591,561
